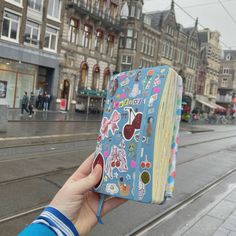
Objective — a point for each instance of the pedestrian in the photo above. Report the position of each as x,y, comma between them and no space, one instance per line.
31,104
46,99
24,104
73,209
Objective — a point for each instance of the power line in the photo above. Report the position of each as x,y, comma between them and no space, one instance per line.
228,13
181,8
206,4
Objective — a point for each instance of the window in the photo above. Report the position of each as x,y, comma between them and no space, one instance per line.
226,71
110,44
51,37
138,13
98,40
54,8
106,78
84,73
224,82
96,77
32,33
17,2
35,4
86,40
132,11
129,33
10,27
228,57
126,63
128,43
143,42
73,30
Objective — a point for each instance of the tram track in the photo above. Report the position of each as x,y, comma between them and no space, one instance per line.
152,223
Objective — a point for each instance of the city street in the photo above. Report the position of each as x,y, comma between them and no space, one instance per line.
30,175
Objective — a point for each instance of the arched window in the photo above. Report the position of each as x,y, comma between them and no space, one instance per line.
106,78
83,75
73,30
96,76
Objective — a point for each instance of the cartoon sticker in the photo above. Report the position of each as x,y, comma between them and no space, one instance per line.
116,160
112,188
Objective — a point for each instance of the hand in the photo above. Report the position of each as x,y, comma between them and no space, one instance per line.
78,203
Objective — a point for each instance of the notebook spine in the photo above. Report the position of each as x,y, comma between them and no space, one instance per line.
140,150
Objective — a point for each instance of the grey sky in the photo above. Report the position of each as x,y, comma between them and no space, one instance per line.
211,15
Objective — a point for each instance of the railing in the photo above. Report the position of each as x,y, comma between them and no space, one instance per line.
88,8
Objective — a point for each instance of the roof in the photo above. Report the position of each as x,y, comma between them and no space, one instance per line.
232,54
156,17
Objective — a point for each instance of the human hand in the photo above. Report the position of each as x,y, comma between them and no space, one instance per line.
78,203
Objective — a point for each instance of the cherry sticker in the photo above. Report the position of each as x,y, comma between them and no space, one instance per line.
98,161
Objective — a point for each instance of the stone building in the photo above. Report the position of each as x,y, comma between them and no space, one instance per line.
29,45
209,68
89,51
156,38
227,81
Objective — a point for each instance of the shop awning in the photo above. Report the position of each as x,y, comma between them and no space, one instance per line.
220,107
213,106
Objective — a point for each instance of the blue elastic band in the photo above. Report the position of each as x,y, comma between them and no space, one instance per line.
100,205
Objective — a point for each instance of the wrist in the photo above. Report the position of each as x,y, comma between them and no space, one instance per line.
57,221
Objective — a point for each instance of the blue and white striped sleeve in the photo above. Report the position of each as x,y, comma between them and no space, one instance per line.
55,222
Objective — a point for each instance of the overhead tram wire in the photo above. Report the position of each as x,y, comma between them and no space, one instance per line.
227,12
206,4
181,8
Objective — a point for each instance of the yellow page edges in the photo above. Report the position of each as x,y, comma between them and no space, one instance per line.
163,138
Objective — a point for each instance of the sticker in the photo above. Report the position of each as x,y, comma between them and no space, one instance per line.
133,123
112,188
110,124
149,129
132,149
113,86
145,164
99,160
116,160
145,177
124,82
133,164
153,98
124,189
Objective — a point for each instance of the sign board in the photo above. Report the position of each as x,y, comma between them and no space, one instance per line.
63,103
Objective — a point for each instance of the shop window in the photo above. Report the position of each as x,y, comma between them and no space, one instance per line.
32,33
73,30
35,5
51,38
83,78
96,77
98,40
10,26
54,8
87,35
110,44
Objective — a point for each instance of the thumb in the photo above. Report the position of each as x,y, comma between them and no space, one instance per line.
85,184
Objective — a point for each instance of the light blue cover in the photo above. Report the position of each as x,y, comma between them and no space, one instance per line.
133,97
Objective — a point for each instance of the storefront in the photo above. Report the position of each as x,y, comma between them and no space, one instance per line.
15,79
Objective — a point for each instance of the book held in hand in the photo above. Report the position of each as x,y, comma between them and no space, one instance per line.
138,138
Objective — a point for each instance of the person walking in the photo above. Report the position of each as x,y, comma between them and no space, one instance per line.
24,104
31,104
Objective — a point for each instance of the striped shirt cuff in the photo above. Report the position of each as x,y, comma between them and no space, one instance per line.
55,220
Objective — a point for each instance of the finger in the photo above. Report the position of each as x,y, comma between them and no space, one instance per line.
84,169
112,203
85,184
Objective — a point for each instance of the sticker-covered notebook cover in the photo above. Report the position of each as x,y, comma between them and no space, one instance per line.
138,138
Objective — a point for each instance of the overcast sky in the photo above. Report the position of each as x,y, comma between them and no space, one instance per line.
210,13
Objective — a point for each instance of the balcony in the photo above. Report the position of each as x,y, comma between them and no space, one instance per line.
87,9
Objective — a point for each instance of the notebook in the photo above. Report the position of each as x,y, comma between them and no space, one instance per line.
138,138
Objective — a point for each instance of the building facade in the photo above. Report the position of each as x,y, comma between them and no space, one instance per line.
89,52
227,82
209,68
156,38
29,45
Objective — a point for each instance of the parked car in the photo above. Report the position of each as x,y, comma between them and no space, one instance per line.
80,107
